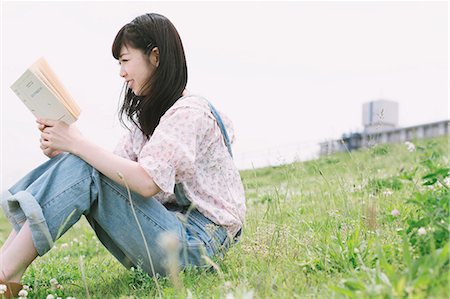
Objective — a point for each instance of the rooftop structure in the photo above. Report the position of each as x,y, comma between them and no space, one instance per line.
380,120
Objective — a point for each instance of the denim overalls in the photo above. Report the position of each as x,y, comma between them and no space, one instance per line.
53,197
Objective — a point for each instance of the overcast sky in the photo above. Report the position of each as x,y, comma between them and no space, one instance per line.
288,74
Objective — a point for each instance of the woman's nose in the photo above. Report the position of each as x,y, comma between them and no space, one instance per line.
122,73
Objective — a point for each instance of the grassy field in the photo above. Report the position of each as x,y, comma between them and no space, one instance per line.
367,224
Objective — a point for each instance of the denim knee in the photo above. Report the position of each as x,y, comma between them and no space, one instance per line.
22,207
51,198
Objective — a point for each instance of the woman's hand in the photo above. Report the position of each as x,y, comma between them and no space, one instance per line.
46,150
57,137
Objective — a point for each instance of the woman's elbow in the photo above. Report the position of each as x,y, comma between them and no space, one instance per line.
146,193
149,190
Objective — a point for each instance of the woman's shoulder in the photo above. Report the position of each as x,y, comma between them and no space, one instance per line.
193,105
197,107
192,101
196,103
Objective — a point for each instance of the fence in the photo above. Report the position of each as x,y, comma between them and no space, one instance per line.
360,140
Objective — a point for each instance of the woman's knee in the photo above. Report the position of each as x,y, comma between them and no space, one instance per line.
71,164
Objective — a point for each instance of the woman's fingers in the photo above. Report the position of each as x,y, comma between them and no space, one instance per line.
48,152
47,122
41,128
45,136
54,154
44,146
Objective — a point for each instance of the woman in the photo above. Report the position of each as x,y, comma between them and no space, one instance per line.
176,159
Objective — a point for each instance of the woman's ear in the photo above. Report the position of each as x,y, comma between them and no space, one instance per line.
154,57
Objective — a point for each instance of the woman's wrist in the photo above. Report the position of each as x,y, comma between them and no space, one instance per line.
79,147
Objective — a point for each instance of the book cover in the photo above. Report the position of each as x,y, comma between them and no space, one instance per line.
40,90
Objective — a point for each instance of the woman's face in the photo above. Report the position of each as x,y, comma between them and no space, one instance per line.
136,68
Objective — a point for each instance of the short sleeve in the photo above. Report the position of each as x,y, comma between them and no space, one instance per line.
124,147
169,156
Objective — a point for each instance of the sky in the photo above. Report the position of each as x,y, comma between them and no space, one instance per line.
288,74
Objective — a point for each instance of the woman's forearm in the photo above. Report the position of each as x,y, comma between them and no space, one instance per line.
59,136
111,165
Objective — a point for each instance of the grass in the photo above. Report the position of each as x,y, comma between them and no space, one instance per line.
316,229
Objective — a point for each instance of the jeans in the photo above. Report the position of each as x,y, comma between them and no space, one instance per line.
53,197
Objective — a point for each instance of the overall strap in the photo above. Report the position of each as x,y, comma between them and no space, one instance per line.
222,128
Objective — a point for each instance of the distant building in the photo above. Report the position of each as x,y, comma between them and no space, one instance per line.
380,120
380,115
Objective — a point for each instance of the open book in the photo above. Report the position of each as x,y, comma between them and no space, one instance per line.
45,96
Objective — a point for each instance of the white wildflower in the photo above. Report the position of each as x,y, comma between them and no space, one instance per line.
395,212
248,295
66,258
356,250
64,246
410,146
3,289
447,181
421,231
229,296
227,285
23,294
50,296
333,213
55,284
387,193
53,281
25,287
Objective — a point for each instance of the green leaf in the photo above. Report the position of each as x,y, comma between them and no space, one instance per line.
354,284
406,252
343,291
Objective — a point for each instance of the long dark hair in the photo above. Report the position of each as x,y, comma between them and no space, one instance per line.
169,79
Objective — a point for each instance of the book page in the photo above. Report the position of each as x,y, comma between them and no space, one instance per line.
42,69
